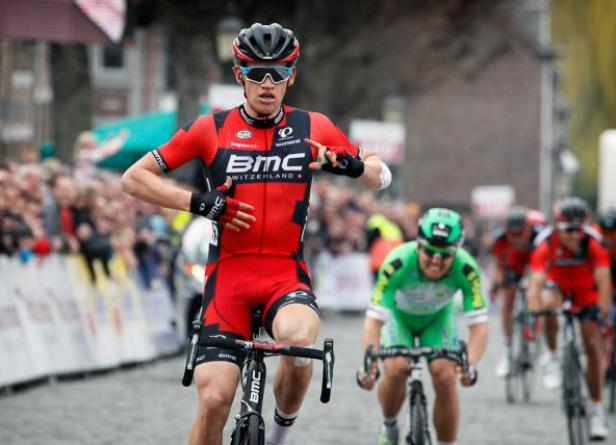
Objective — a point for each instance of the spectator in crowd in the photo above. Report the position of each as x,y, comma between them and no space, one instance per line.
58,215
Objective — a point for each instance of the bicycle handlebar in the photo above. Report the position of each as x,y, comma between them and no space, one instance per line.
326,355
459,356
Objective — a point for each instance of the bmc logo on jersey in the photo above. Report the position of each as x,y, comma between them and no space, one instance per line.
262,164
285,132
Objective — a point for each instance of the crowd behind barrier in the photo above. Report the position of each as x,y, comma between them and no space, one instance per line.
87,270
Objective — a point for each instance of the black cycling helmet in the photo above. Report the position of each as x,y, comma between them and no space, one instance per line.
516,219
572,211
607,219
265,43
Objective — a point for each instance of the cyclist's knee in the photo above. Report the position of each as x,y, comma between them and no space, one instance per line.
443,376
396,369
215,401
288,330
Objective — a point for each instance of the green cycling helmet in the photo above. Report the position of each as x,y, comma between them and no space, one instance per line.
441,228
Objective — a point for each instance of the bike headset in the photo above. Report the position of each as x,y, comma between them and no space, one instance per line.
441,229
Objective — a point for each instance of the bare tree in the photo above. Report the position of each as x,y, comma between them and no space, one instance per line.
72,105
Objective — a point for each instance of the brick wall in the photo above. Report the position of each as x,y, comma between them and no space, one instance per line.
482,130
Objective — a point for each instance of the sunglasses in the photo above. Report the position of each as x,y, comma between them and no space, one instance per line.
257,74
570,228
431,251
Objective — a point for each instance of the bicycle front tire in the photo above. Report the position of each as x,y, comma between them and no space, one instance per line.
419,434
573,399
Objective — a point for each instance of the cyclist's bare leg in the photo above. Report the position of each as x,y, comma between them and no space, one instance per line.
392,388
216,383
446,402
295,325
592,344
551,300
551,332
508,301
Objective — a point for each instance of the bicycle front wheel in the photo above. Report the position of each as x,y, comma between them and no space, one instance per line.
576,427
573,398
419,434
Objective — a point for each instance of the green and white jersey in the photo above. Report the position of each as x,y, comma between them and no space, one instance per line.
403,291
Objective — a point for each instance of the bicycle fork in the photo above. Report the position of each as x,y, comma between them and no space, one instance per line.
253,385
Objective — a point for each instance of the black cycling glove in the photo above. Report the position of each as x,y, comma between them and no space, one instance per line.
215,204
347,164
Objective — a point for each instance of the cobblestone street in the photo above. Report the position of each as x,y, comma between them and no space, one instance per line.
148,405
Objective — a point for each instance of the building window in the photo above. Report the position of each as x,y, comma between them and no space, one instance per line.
113,56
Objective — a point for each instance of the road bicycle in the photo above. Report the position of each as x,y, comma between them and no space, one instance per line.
419,430
574,393
522,353
249,424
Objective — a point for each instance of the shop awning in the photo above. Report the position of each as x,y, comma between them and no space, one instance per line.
65,21
145,132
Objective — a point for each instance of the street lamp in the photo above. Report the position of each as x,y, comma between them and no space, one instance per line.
226,30
394,112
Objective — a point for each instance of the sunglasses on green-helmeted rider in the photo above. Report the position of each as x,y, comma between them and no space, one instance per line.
258,73
444,253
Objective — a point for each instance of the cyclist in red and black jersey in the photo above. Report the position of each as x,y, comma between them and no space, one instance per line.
570,256
260,158
606,226
511,250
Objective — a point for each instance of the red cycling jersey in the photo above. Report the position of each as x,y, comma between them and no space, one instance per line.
510,257
573,272
268,163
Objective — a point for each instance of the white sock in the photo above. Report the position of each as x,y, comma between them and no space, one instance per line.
280,428
390,425
447,443
596,408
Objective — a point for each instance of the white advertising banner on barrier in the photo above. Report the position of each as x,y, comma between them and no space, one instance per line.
54,320
42,337
76,340
17,361
343,282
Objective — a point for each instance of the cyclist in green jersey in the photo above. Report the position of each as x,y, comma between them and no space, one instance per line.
414,298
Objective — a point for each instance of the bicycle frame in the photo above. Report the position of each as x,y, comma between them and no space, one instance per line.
253,390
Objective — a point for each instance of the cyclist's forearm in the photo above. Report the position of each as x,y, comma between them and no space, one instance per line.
147,186
372,332
477,342
534,290
604,288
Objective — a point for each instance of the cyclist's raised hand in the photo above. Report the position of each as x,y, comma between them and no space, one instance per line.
217,206
336,160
